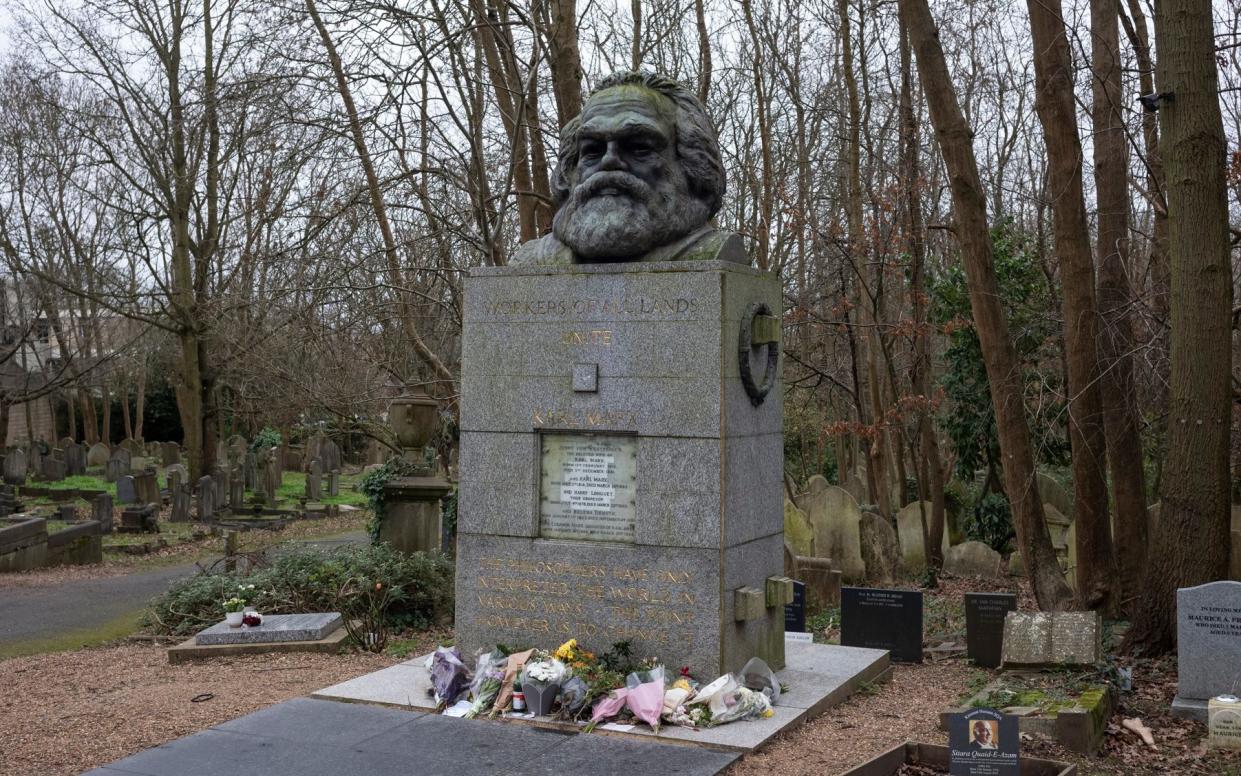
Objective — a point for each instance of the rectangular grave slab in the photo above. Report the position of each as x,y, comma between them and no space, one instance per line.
1035,639
275,627
882,619
1208,657
984,626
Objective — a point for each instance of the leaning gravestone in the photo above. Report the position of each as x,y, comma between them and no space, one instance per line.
880,552
314,481
973,559
1040,639
984,626
15,466
1054,493
836,520
620,377
205,495
98,455
882,619
1208,646
984,742
798,533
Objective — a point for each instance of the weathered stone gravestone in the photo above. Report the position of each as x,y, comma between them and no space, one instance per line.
236,490
314,481
973,559
147,487
101,511
798,533
15,466
118,465
126,493
1208,646
222,490
880,552
66,513
170,453
634,405
1053,493
179,498
204,493
909,534
249,466
142,518
882,619
179,471
34,462
1058,526
266,479
1035,639
132,446
75,459
333,482
1224,722
836,520
329,456
53,468
984,626
98,455
984,742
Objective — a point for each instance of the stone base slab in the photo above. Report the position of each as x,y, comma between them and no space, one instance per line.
188,650
274,628
1190,708
819,676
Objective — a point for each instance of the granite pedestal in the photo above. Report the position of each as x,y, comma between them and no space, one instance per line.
413,516
621,464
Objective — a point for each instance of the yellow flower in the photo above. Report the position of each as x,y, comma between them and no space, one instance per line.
565,651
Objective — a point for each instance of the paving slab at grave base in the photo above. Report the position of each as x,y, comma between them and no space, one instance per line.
191,650
306,737
818,676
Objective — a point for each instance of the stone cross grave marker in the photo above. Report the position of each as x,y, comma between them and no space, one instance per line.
984,742
1208,646
984,626
1034,639
882,619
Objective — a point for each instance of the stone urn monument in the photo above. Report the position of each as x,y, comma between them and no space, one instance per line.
413,516
621,448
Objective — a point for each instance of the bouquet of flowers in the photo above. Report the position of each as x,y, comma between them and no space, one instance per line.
646,695
488,678
449,676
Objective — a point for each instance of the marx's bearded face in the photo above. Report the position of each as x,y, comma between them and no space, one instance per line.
629,193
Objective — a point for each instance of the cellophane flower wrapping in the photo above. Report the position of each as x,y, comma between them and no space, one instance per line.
646,695
511,668
449,675
573,696
609,707
758,676
674,711
488,678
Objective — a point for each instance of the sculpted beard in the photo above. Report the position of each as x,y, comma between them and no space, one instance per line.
615,215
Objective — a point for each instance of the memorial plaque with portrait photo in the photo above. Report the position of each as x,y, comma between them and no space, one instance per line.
984,742
586,488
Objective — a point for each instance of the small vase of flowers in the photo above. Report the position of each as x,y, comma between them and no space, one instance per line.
234,611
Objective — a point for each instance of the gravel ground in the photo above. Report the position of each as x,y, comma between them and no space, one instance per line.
904,709
68,712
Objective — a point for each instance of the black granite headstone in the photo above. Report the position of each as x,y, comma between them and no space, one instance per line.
795,613
983,742
984,626
882,619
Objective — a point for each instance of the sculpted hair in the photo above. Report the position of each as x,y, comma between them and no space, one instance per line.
697,147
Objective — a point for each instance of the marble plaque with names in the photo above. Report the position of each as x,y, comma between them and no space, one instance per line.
586,487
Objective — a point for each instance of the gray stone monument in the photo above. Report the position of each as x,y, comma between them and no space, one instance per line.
179,497
101,511
75,459
205,493
1041,639
1208,646
126,492
314,481
118,464
97,455
236,490
621,448
147,487
333,482
15,466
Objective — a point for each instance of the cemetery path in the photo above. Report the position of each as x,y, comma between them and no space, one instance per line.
90,611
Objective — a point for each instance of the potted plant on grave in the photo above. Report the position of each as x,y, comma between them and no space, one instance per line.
234,611
540,680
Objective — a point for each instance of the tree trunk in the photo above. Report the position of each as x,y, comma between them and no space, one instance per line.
1111,165
90,420
1192,532
566,60
1003,371
704,51
126,418
105,431
140,400
1054,104
932,485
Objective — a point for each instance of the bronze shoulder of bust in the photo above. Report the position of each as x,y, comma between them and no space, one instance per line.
705,244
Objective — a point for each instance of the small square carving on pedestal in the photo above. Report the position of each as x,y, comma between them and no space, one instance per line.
585,378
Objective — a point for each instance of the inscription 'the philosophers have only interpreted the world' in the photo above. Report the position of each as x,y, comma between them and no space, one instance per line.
591,307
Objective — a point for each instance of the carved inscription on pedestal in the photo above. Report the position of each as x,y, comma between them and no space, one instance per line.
586,488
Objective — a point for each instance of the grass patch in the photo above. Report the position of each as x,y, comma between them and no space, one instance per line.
112,630
292,490
821,622
80,482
